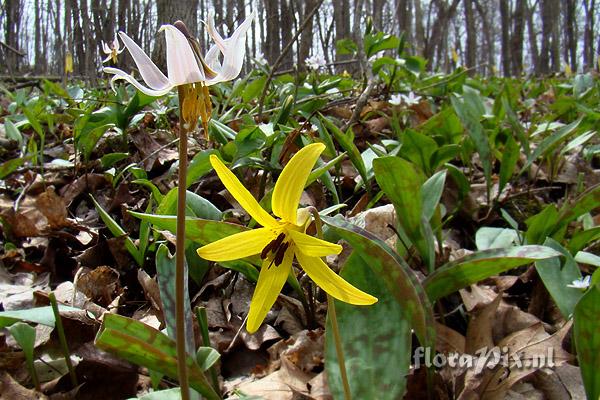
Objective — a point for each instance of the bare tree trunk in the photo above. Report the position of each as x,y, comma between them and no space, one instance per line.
419,28
12,31
588,34
437,41
287,23
167,12
306,38
273,39
37,68
571,33
505,24
403,17
490,47
471,51
533,44
517,37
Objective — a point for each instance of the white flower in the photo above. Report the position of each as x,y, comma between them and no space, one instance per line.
581,283
112,50
185,64
260,58
411,99
396,99
315,62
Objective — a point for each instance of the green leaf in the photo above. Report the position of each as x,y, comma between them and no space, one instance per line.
345,46
469,110
143,345
495,238
253,89
387,265
401,181
586,326
10,166
475,267
550,142
24,335
108,160
431,193
365,332
117,231
541,225
585,203
556,275
167,394
199,166
86,141
582,238
418,148
38,315
165,272
510,157
12,132
196,206
583,257
347,142
206,357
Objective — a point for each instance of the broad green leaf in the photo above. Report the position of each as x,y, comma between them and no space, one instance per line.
495,238
586,326
469,110
86,142
196,206
206,357
582,238
584,257
550,142
475,267
156,194
346,141
557,273
10,166
199,166
12,132
399,279
373,338
541,225
143,345
119,232
167,394
418,148
24,335
38,315
585,203
110,159
165,272
509,162
33,121
431,193
401,181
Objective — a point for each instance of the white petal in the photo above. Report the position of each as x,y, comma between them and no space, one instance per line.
118,74
148,70
233,49
105,48
107,59
181,62
212,58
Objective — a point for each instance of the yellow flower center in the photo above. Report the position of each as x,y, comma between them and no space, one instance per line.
196,104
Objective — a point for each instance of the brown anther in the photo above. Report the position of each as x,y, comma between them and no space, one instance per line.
280,254
272,246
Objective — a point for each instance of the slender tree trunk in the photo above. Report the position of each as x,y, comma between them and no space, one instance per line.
167,12
471,51
533,44
287,23
505,24
306,38
517,37
419,28
488,32
38,38
571,33
341,17
273,38
588,34
12,32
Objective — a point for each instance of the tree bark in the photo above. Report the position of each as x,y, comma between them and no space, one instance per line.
517,39
287,23
471,50
505,24
273,39
588,34
306,38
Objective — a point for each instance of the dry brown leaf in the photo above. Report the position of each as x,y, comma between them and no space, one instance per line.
12,390
53,207
99,284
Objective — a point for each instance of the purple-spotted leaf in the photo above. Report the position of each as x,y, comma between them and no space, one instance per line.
399,279
586,326
473,268
143,345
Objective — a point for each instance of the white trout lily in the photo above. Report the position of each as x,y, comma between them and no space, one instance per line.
112,50
185,64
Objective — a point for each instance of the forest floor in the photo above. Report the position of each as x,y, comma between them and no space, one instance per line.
508,169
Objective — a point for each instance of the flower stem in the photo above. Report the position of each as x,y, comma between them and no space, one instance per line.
337,337
180,259
62,339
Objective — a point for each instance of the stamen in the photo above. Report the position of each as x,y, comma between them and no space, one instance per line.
272,246
280,254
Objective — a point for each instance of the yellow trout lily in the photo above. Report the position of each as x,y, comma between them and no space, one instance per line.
281,240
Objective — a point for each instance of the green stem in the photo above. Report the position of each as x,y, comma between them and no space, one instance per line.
337,337
180,260
203,323
62,339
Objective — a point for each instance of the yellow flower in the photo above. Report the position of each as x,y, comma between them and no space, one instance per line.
280,240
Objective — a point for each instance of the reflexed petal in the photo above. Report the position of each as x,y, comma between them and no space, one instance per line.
233,49
181,62
270,282
105,48
212,58
118,74
241,194
331,282
290,184
312,246
150,73
107,58
237,246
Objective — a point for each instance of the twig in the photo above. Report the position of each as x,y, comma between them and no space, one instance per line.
285,50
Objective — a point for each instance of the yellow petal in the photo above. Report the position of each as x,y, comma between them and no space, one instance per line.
289,186
270,282
236,246
312,246
331,282
241,194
